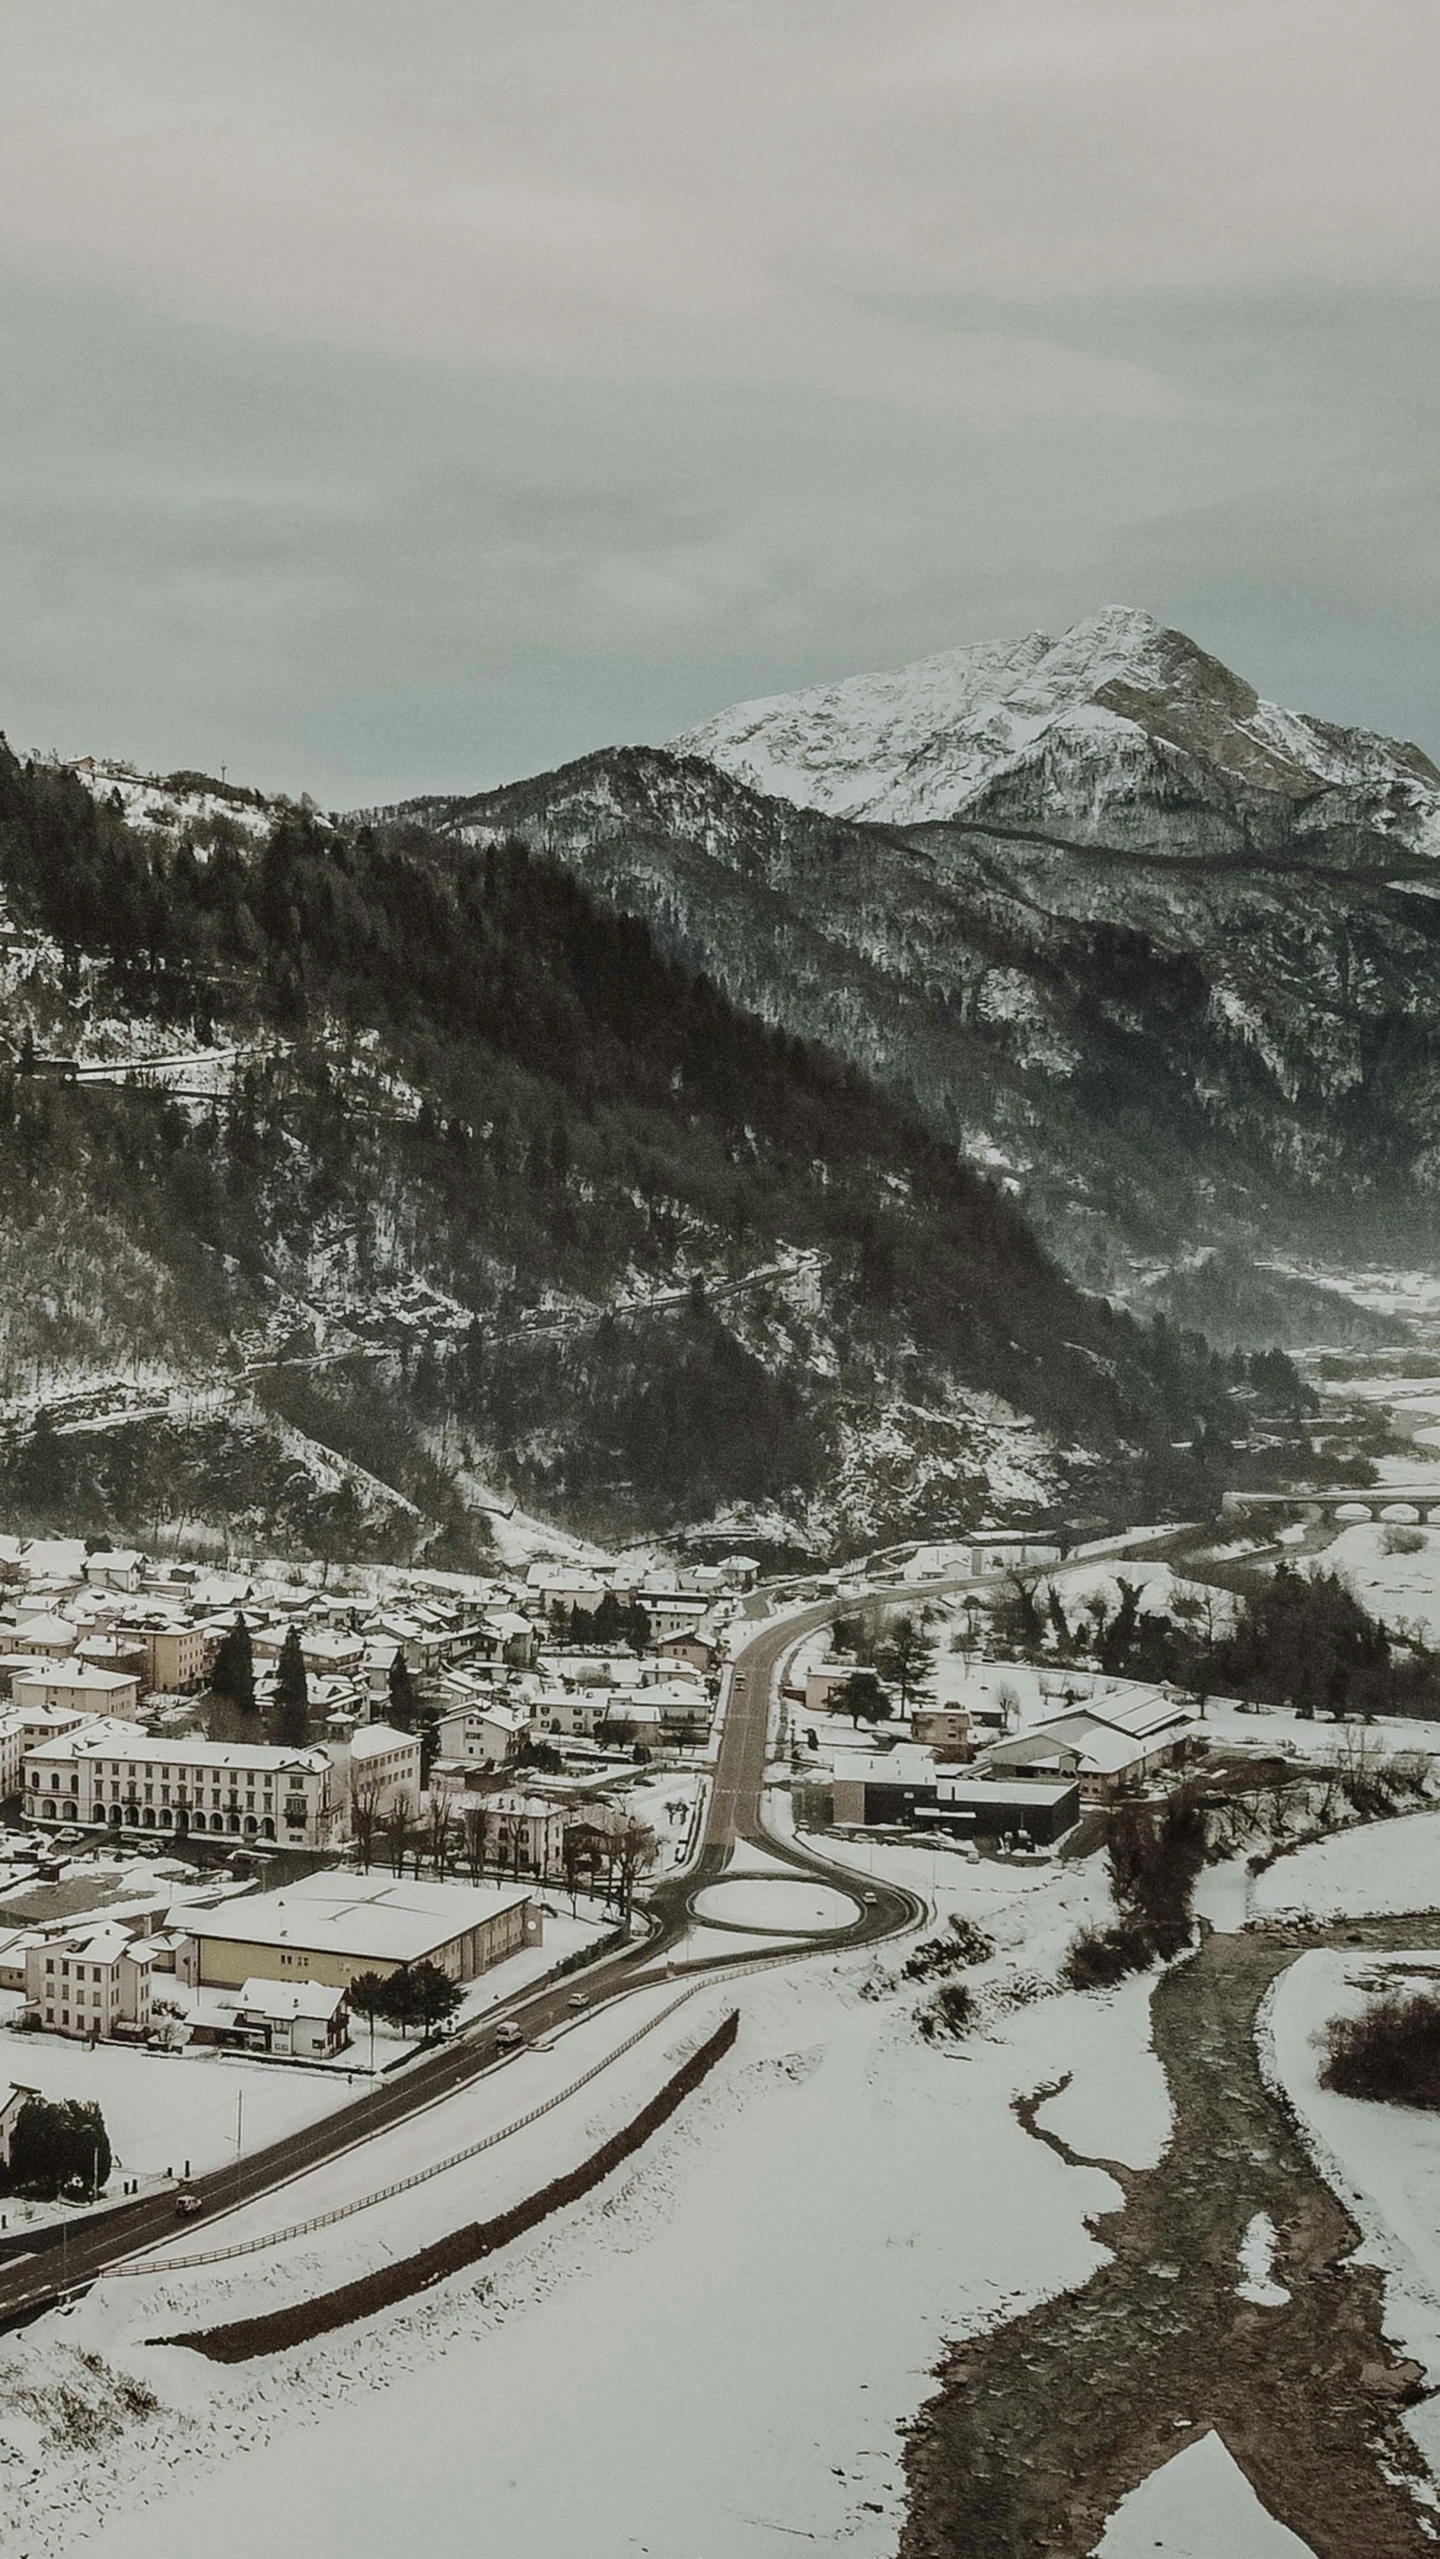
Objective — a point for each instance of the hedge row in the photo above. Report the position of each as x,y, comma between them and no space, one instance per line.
243,2339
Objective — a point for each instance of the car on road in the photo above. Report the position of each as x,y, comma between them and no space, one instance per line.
869,1900
187,2204
508,2036
579,1999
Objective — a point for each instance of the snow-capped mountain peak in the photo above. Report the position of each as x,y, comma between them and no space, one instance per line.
1118,694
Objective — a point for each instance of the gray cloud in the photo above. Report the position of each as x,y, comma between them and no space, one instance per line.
391,397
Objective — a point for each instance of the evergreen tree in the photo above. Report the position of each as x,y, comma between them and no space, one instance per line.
906,1657
56,2144
233,1674
861,1695
369,1997
433,1996
291,1721
404,1704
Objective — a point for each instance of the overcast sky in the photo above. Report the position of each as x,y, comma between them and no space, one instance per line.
413,393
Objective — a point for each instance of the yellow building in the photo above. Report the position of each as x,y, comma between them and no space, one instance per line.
175,1656
332,1925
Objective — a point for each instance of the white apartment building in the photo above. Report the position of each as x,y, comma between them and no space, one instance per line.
92,1983
571,1712
23,1730
527,1834
176,1653
113,1776
483,1736
382,1760
83,1687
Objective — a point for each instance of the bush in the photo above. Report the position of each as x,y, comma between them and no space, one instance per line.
950,2012
1155,1858
1100,1957
966,1944
1403,1541
1392,2052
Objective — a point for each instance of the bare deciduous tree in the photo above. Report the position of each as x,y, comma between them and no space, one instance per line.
582,1850
439,1829
474,1831
632,1854
367,1797
394,1828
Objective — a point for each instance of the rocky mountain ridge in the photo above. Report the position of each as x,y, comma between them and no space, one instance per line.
1085,727
1167,970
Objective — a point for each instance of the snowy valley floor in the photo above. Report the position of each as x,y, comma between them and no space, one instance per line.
713,2354
1129,2286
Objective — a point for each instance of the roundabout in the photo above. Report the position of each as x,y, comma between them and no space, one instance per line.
767,1905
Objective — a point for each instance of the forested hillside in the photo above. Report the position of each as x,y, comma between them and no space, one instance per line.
447,1186
1160,956
1181,1068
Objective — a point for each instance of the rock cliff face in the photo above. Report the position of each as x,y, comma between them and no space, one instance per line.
1160,955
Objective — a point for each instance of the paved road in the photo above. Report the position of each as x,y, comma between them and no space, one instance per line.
735,1812
734,1815
30,2284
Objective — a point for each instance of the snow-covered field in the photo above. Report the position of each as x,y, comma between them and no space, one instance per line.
162,2110
1270,1728
1198,2506
1383,2161
685,2342
1379,1867
1404,1589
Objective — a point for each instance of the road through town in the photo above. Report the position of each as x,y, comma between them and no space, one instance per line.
29,2284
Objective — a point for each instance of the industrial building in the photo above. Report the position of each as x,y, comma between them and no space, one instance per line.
331,1925
902,1787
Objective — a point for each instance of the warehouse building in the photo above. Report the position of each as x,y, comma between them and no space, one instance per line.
892,1788
332,1925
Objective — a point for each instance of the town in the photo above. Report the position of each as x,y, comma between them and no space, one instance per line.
222,1735
327,1889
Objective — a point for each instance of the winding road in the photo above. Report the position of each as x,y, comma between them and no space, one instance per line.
68,2262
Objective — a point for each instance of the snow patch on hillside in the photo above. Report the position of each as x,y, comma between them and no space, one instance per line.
914,745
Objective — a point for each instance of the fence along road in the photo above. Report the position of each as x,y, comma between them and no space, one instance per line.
30,2285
